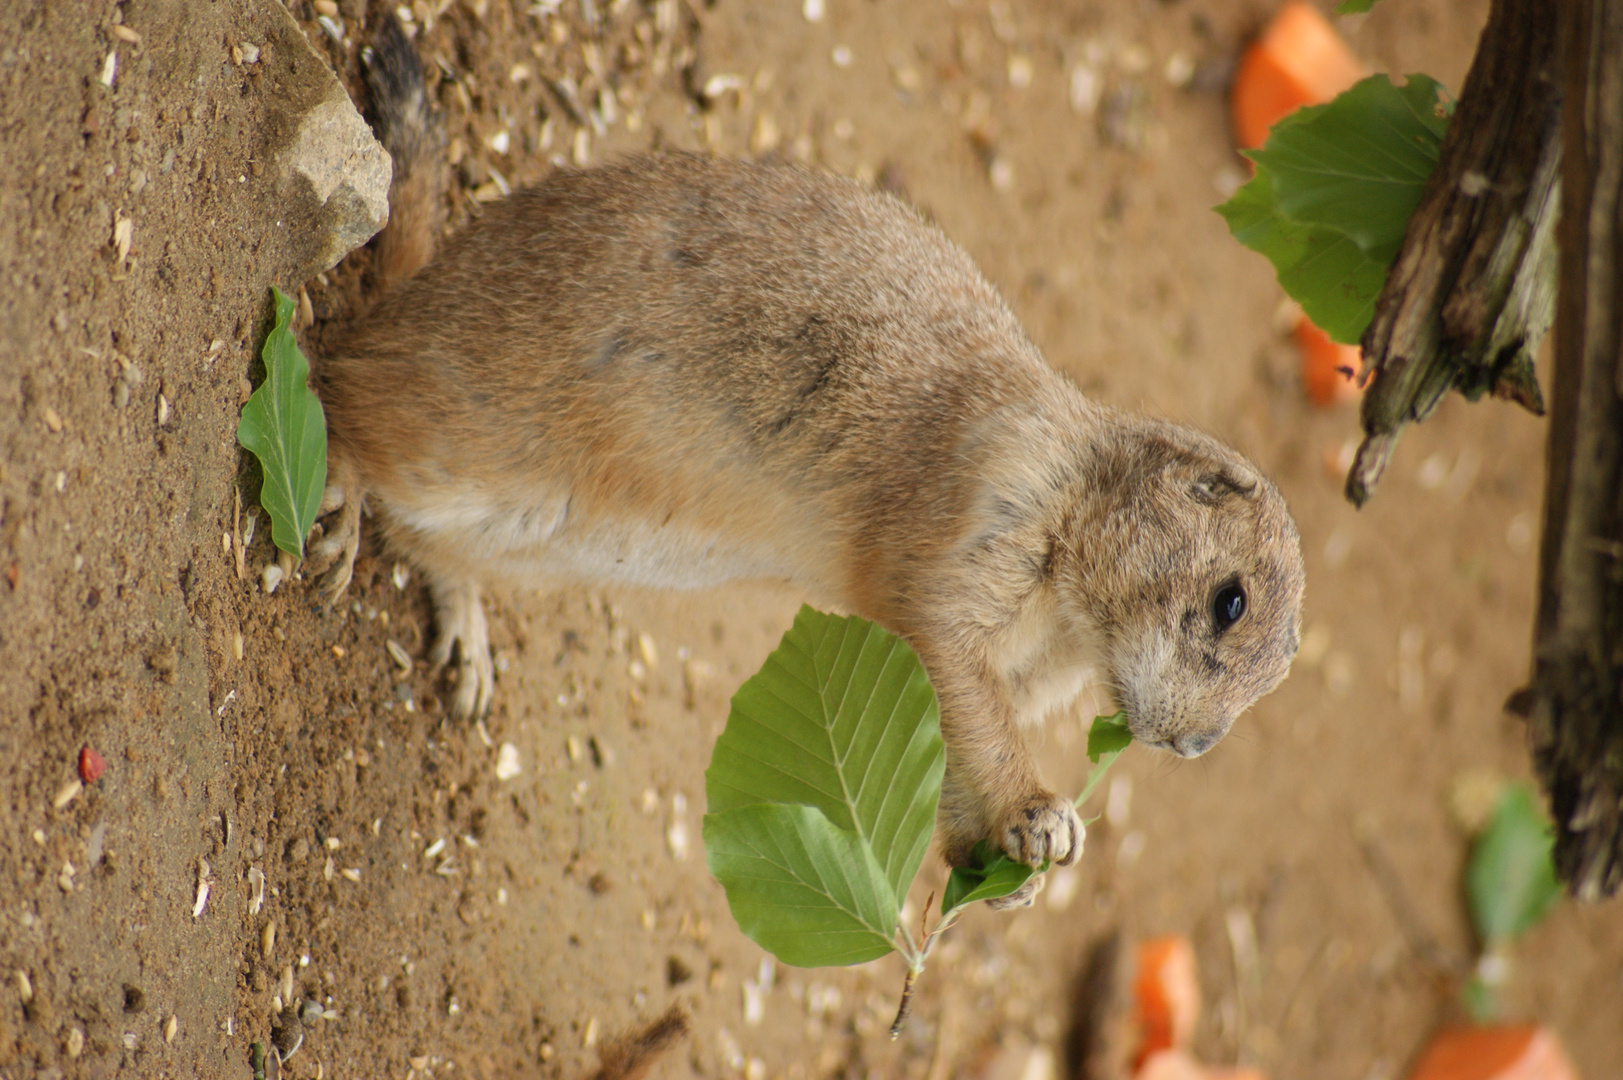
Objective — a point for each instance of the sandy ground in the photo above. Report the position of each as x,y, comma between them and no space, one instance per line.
446,922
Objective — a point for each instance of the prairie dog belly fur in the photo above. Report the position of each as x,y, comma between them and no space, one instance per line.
676,371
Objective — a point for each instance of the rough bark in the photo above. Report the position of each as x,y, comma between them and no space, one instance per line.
1472,291
1576,718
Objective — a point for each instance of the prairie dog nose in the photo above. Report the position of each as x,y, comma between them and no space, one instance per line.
1192,744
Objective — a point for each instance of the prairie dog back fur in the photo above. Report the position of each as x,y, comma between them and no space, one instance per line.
676,371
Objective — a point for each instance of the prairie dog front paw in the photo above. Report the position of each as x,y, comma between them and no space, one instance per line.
335,552
1044,826
460,627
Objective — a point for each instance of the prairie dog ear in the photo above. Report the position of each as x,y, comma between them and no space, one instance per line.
1213,486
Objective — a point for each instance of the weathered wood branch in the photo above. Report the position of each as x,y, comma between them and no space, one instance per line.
1472,291
1576,717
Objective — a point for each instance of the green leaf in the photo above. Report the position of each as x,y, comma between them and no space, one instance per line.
841,717
1108,735
1334,281
283,425
1510,878
1332,195
842,720
1358,164
1354,7
807,892
990,875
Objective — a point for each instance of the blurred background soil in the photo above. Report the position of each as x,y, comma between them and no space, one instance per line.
287,814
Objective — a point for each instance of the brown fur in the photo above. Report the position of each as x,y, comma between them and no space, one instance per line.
676,370
634,1053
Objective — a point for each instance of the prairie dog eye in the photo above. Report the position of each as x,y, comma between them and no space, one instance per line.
1227,606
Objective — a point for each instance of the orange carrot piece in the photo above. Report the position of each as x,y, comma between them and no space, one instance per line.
1166,996
1329,369
1298,60
1522,1052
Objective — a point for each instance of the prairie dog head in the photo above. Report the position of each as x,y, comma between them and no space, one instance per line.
1195,573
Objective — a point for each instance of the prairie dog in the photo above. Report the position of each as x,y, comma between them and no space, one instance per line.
676,371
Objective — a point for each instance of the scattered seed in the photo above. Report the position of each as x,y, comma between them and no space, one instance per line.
267,940
1180,70
64,880
576,748
123,234
351,874
338,651
256,886
333,27
52,419
717,85
109,69
170,1026
76,1043
589,1038
1021,70
124,33
507,762
398,654
67,793
25,987
648,650
163,410
237,644
270,577
205,882
435,848
400,575
676,831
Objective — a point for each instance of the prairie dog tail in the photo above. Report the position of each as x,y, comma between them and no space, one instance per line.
409,129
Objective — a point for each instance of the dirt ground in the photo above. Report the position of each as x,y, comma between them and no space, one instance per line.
359,850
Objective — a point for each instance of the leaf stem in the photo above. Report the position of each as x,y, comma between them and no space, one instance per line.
906,1005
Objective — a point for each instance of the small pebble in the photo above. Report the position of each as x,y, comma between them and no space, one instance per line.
507,762
270,577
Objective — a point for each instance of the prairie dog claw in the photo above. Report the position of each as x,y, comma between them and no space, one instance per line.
461,628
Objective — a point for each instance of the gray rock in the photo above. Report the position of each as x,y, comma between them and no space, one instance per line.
332,175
